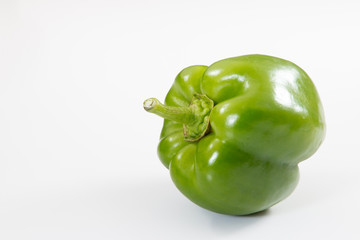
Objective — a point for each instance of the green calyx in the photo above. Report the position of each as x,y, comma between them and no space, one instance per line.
195,117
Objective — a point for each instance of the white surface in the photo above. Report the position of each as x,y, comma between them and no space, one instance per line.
78,152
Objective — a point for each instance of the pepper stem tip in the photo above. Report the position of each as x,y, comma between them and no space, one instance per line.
149,104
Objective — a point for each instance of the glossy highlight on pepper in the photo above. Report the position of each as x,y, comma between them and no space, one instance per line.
235,132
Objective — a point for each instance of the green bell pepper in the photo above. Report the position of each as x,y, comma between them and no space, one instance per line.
234,132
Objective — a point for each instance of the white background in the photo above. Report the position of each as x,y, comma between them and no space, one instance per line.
78,152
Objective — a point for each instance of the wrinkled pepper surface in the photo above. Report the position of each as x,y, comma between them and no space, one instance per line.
234,132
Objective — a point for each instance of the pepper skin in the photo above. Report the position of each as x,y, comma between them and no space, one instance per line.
234,132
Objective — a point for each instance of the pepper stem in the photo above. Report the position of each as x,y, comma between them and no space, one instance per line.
178,114
195,117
